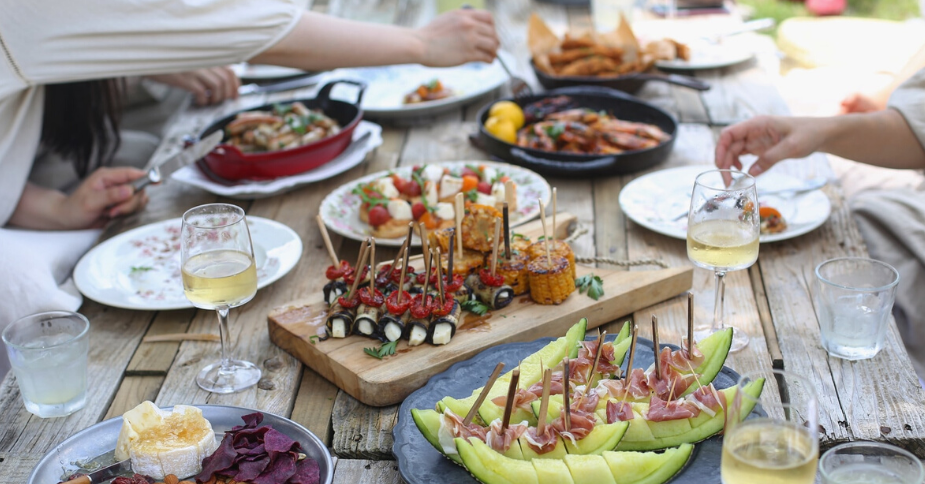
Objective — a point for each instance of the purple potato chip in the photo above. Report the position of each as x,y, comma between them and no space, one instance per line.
276,441
251,420
221,459
281,468
306,472
248,470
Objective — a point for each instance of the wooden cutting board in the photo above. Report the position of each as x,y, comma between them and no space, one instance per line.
293,327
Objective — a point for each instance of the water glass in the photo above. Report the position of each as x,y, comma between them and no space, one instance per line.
869,462
48,354
606,13
854,298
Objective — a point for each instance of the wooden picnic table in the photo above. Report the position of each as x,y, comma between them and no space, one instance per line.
878,399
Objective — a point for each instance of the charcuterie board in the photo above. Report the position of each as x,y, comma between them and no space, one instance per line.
299,326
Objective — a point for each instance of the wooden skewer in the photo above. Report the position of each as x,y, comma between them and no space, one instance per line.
671,390
372,266
507,231
554,210
690,324
404,271
449,258
544,403
439,278
361,261
494,247
401,250
485,390
460,211
327,241
428,257
629,364
511,392
565,393
658,364
545,234
425,247
509,195
597,358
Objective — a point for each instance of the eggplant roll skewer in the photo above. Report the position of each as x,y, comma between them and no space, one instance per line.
391,327
495,297
443,328
365,323
417,331
333,290
340,321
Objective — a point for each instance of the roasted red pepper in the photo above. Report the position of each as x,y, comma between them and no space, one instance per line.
350,277
392,304
447,307
496,280
409,276
333,273
351,303
422,306
382,278
375,299
451,286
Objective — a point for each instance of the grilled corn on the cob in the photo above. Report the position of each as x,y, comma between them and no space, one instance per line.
515,273
550,285
557,248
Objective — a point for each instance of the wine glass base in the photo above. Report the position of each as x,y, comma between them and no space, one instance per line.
739,338
243,374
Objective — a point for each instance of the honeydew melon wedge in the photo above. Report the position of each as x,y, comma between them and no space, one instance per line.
589,469
490,467
648,467
715,349
557,453
672,433
552,471
603,438
550,356
429,423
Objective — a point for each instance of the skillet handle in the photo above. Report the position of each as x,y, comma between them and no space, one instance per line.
685,81
560,165
324,94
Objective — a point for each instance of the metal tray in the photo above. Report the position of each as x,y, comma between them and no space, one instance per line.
420,463
93,447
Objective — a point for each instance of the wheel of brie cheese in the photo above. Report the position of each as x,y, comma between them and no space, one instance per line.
161,442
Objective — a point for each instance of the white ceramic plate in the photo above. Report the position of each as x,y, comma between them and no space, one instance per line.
140,269
249,190
654,200
340,209
705,55
387,86
263,72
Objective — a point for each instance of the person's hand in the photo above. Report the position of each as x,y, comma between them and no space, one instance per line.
771,139
103,195
861,103
457,37
209,86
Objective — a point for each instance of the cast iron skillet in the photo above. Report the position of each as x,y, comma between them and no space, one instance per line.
627,82
227,161
621,105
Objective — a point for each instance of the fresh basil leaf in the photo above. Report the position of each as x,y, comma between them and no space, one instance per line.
472,195
476,307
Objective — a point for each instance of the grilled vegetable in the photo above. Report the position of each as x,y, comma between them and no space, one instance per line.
340,321
496,297
557,248
443,328
417,330
515,274
550,285
477,227
469,262
334,290
463,294
391,327
365,323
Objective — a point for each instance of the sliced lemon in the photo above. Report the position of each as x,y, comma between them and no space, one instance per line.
508,110
502,129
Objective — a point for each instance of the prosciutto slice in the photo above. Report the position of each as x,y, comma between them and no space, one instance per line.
680,360
635,387
556,387
660,410
671,384
585,404
619,411
582,425
606,364
578,369
522,399
501,441
454,423
542,443
710,398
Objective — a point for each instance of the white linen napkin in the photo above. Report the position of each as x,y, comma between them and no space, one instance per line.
36,268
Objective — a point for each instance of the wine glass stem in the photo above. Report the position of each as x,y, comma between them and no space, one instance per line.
720,277
222,312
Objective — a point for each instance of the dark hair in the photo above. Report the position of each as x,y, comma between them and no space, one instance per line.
81,120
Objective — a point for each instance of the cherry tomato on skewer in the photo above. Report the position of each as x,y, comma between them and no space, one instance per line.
496,280
333,273
396,308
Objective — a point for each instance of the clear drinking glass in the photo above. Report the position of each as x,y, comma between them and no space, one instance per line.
722,235
606,13
870,463
219,273
48,354
854,297
780,448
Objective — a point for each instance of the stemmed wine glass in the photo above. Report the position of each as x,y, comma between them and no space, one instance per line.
219,273
722,235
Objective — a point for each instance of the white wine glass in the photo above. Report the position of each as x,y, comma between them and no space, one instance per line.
217,260
722,235
779,442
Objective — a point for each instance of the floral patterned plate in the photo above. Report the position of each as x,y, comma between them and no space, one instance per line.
655,201
340,209
140,269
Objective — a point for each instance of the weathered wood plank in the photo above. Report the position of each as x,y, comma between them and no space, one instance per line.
361,431
764,313
132,391
17,467
114,335
156,358
350,471
314,404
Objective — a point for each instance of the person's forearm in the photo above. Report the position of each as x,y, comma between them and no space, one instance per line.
322,42
881,138
38,209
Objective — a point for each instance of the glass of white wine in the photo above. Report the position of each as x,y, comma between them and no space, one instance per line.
722,235
781,447
219,272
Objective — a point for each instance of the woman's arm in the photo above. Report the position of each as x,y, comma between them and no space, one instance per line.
320,42
103,195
